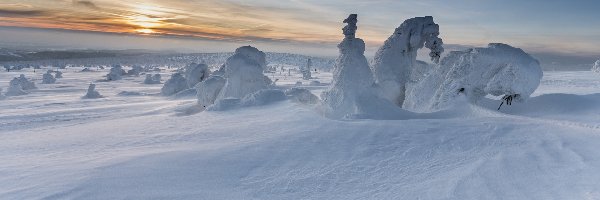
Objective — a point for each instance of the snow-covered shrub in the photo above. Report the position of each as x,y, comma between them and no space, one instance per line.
48,78
195,73
244,73
152,79
596,67
302,95
23,83
497,70
175,84
353,82
208,90
135,70
58,74
92,93
115,73
395,60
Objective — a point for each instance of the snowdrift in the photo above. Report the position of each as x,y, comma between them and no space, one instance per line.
496,70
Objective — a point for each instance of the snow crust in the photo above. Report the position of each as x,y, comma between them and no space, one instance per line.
396,59
496,70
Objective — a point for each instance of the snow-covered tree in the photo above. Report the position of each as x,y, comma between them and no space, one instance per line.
244,73
395,60
175,84
91,92
496,70
208,90
18,86
58,74
195,73
152,79
135,70
306,72
48,78
596,67
115,73
352,85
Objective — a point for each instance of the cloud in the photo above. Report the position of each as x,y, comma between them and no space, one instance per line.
85,4
20,13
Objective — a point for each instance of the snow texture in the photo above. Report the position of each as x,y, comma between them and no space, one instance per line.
91,92
48,78
196,73
115,73
175,84
396,59
152,79
596,67
496,70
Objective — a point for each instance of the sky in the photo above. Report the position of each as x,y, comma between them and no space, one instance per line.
297,26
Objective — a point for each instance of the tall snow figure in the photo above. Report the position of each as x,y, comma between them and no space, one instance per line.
306,73
596,67
244,73
395,60
497,70
353,81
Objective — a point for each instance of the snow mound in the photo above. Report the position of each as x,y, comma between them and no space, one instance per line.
396,59
48,78
244,73
497,70
18,86
596,67
175,84
115,73
302,96
208,90
196,73
152,79
352,89
92,93
135,70
58,74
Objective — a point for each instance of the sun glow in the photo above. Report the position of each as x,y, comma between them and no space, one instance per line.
145,31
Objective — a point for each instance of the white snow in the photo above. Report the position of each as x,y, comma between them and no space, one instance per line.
175,84
397,58
56,145
496,70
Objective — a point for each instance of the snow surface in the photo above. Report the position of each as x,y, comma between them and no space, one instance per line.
56,145
596,67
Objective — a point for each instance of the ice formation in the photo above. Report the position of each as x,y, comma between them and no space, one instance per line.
115,73
353,84
395,60
152,79
195,73
596,67
48,78
496,70
92,93
175,84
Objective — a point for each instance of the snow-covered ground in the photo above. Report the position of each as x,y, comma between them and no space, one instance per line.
55,145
